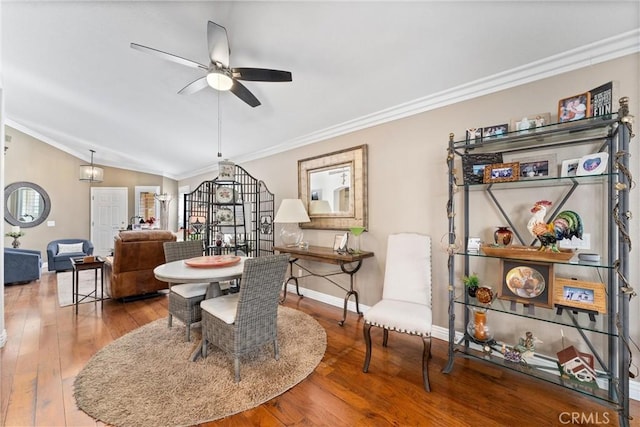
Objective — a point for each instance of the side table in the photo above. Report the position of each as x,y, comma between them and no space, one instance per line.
349,264
79,264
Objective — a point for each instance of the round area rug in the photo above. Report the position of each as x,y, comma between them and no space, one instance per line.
145,378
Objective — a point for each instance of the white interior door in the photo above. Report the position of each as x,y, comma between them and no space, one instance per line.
108,216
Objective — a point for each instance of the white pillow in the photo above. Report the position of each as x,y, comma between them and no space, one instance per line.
70,248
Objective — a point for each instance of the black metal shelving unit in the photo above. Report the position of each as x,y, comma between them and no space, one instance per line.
240,224
611,134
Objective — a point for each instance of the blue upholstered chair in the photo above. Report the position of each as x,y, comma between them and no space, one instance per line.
60,252
21,265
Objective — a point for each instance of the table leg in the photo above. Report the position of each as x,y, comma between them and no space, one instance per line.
76,287
351,272
101,288
291,277
213,291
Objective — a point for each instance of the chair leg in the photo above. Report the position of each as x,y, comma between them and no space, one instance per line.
188,332
204,345
366,330
426,355
276,349
385,337
236,366
170,320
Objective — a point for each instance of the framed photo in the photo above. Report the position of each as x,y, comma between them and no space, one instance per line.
569,167
530,123
495,131
473,245
578,294
340,242
501,172
527,282
544,165
593,164
473,166
574,108
473,135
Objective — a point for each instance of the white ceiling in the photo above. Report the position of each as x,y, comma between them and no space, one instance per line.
71,79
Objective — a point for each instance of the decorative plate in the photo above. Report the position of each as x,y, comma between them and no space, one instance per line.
224,216
224,195
215,261
525,282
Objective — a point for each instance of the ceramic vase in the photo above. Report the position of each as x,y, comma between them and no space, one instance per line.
503,236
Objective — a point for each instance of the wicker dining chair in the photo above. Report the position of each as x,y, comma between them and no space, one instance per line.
406,296
184,299
243,322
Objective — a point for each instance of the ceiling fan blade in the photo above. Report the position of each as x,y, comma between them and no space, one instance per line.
194,86
168,56
243,93
261,75
218,44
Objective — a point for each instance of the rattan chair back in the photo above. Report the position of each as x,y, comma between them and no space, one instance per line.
175,251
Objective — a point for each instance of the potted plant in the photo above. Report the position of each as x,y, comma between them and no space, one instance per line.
471,282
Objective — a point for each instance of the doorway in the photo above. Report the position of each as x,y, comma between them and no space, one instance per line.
108,216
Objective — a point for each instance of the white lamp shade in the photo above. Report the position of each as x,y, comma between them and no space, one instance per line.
291,211
90,173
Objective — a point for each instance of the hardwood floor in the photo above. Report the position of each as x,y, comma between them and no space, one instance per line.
48,346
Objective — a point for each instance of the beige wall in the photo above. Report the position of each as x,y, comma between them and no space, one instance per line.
408,178
29,159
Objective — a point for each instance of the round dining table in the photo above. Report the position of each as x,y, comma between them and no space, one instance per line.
180,272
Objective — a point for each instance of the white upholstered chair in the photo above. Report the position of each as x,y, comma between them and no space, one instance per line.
406,297
184,299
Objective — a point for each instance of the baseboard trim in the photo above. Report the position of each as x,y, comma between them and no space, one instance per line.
437,332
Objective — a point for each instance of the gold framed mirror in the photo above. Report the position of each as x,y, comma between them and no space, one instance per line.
333,189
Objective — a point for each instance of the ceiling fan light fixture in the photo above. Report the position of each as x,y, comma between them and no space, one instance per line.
219,80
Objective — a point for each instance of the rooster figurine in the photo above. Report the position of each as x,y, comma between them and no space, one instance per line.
565,225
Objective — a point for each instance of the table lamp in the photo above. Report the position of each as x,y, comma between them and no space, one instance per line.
290,213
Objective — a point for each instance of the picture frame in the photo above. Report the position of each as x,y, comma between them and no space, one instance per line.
544,165
473,166
501,172
473,245
569,167
590,296
530,122
495,131
593,164
575,107
473,135
340,242
527,282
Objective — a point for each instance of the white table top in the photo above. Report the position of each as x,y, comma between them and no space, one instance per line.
179,272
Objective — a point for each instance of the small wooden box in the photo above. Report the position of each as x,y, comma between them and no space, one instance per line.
89,259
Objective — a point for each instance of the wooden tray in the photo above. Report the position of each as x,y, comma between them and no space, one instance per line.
527,253
215,261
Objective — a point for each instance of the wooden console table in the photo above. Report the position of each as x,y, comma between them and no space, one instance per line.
349,264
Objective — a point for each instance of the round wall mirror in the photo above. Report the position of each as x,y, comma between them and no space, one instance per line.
26,204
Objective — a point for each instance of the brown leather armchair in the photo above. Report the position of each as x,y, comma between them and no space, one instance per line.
135,254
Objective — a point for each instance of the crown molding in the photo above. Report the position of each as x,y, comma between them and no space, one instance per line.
601,51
